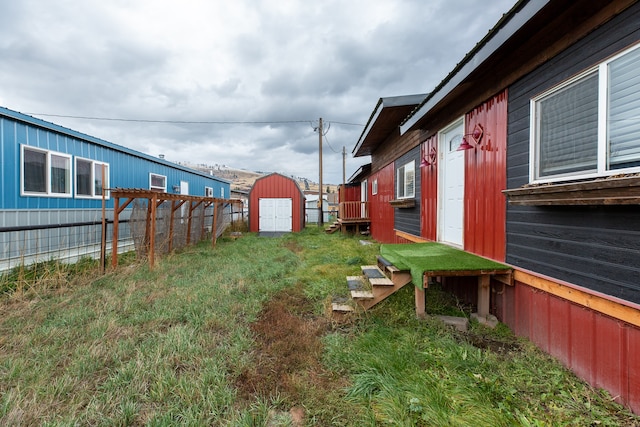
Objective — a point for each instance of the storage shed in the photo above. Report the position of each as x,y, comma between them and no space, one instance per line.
276,205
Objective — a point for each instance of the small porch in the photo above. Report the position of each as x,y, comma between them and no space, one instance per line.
353,217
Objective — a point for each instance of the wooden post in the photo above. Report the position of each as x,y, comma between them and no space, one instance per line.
189,222
420,302
114,241
103,239
484,294
173,208
152,230
214,225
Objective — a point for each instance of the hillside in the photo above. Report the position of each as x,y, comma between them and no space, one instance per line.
242,179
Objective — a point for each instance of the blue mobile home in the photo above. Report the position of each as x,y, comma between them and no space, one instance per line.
52,175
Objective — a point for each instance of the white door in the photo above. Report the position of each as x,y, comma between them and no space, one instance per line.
451,194
364,197
275,215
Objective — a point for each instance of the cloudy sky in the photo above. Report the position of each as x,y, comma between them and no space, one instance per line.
240,83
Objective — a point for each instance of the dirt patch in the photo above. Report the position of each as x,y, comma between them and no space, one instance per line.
293,246
287,353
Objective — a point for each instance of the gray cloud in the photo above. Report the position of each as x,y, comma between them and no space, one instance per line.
242,61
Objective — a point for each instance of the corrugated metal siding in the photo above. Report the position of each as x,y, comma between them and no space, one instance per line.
350,193
485,178
272,187
127,169
429,203
598,348
382,213
408,219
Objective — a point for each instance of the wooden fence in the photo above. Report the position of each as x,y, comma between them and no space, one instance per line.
180,212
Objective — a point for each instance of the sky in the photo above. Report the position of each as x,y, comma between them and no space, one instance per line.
238,83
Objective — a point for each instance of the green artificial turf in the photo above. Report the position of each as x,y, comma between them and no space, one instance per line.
432,256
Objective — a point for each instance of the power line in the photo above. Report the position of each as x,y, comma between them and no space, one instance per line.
215,122
208,122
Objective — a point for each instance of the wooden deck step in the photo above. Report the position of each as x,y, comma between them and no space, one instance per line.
356,283
342,304
372,272
362,294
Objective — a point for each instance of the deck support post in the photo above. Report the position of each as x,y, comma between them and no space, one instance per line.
420,302
484,294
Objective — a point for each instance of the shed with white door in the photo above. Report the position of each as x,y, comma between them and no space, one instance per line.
276,205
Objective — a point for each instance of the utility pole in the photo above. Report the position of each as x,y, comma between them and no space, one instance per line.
320,216
344,165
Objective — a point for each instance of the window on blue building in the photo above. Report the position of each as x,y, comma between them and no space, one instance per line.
45,173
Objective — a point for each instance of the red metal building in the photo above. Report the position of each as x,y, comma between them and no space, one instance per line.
276,204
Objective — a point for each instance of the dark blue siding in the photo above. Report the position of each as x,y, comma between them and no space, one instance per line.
597,247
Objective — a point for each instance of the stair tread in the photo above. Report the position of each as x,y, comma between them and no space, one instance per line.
381,281
361,294
355,283
372,272
341,307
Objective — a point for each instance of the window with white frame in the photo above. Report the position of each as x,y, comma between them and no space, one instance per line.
222,192
208,191
374,187
589,126
45,173
158,182
89,178
406,181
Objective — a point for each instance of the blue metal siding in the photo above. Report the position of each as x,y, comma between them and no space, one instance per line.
127,168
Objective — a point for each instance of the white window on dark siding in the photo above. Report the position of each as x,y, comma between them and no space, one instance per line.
590,125
45,173
406,181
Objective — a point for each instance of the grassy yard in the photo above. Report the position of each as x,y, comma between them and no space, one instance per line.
241,335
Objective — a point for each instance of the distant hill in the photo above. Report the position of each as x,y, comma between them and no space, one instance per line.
242,179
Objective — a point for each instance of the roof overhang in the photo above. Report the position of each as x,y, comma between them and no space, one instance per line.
362,172
385,119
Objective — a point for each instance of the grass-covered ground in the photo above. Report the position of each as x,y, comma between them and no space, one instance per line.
241,335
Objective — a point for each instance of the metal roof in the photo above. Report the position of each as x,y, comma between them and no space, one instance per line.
362,172
25,118
385,119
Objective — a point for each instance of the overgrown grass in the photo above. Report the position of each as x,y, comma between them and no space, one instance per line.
171,346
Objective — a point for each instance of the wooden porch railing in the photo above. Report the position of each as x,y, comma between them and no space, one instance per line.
352,211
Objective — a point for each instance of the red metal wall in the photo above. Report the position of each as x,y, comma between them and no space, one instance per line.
485,178
381,211
276,186
600,349
349,193
429,202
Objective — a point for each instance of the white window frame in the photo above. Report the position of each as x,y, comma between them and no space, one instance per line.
374,187
208,191
602,71
222,192
105,185
47,176
156,187
407,170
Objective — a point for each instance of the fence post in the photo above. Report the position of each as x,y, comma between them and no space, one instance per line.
114,242
152,235
214,224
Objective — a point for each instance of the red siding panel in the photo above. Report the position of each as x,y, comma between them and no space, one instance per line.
429,202
485,178
276,186
382,213
632,351
598,348
610,337
559,331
